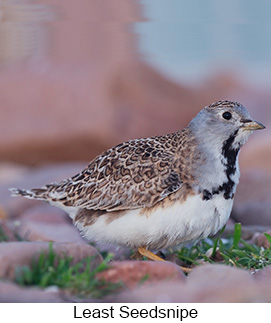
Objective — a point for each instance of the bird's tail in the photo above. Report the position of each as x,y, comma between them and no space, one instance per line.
39,193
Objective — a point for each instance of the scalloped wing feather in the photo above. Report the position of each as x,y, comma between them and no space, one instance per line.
135,174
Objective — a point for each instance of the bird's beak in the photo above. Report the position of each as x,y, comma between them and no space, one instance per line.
252,125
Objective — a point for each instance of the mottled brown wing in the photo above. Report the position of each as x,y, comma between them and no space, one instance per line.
135,174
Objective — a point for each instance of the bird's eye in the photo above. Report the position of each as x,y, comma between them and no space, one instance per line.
227,115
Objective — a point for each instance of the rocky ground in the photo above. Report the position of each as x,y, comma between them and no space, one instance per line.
28,227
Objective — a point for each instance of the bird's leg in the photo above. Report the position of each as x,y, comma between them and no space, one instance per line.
149,254
152,256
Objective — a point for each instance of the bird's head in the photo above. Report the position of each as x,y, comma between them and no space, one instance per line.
221,120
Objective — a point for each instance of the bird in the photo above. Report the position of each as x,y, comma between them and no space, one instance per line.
158,192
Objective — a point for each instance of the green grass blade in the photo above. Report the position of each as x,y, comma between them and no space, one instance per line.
216,241
250,247
268,237
51,255
182,257
237,235
229,259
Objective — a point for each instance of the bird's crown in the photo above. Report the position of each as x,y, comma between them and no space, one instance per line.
224,104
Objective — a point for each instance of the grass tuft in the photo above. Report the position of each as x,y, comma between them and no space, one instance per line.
49,269
233,251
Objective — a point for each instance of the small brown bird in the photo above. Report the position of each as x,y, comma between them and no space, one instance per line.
162,191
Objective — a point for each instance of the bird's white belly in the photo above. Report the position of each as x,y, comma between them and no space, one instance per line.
165,226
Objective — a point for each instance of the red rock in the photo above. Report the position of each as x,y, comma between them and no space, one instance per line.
224,274
42,231
45,213
10,172
260,239
253,212
135,273
257,154
252,203
225,284
47,223
12,293
16,254
119,252
7,234
207,283
263,275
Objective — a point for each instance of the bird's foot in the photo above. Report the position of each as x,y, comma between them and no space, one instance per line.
150,255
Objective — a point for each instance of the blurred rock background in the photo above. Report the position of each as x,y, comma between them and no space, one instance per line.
77,77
